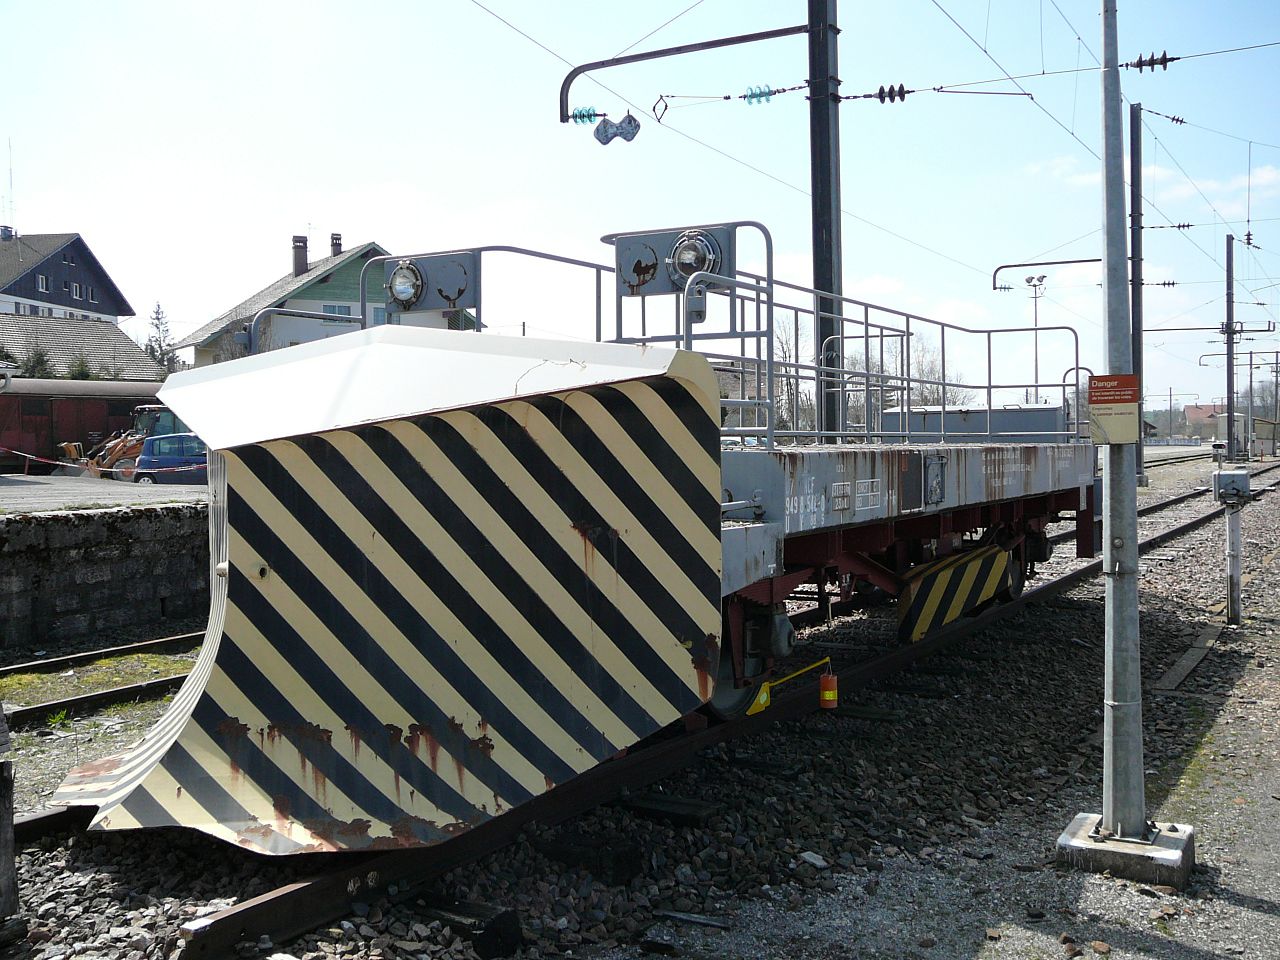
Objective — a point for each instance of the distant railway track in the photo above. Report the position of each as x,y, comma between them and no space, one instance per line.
302,906
1186,458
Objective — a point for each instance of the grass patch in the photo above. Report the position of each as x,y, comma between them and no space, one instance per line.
26,689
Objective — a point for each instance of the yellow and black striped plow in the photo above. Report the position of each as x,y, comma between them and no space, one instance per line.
944,590
428,621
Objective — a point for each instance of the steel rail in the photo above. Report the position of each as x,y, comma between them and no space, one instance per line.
146,690
57,664
302,906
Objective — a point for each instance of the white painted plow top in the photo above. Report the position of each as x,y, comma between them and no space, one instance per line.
390,372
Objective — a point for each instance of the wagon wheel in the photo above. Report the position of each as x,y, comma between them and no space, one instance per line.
1017,575
728,701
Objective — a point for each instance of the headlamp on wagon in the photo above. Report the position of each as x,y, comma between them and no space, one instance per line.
693,252
405,284
661,262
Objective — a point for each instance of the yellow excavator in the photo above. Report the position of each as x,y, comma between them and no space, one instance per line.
116,457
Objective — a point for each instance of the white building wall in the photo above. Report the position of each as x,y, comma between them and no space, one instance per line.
22,305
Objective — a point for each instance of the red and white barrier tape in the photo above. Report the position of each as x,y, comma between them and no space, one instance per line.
32,458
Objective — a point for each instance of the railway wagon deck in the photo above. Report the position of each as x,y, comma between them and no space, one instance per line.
454,571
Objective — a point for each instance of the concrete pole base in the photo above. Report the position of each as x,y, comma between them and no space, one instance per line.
1166,860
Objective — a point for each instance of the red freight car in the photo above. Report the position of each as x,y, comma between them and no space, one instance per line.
37,415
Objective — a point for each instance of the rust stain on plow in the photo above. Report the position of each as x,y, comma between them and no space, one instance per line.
483,744
354,828
255,836
591,532
704,654
232,728
420,733
321,783
97,768
281,806
354,734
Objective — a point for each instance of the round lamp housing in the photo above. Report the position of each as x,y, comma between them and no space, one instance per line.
693,252
405,284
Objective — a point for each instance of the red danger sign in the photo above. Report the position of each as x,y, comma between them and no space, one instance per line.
1114,388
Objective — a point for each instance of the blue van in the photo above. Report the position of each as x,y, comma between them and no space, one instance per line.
161,454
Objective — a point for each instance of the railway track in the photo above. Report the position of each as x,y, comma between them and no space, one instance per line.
301,906
71,706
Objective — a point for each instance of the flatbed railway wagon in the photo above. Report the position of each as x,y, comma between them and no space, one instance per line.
36,415
457,569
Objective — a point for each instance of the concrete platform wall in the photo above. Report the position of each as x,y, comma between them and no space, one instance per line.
64,576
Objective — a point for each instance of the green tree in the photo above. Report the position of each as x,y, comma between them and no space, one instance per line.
80,369
160,341
36,364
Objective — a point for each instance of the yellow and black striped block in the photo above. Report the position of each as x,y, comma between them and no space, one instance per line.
944,590
428,621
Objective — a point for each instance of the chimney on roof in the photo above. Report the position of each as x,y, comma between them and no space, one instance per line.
335,244
7,233
299,256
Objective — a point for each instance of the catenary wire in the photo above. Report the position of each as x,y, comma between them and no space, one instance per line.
728,156
657,28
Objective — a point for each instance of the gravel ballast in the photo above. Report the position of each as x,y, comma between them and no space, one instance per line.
926,832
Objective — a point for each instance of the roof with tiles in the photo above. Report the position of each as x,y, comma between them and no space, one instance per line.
107,349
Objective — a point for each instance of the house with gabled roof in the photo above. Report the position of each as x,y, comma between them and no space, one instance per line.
329,286
56,275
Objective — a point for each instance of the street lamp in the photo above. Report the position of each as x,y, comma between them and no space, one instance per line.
1037,291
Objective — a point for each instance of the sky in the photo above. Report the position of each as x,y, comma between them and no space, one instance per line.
188,142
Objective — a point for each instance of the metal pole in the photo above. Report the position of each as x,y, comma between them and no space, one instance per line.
1171,414
1248,428
1229,329
824,161
1035,323
1135,275
1123,790
1234,547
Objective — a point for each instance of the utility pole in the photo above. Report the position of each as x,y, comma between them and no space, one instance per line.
1121,840
1229,331
1135,274
1123,788
824,183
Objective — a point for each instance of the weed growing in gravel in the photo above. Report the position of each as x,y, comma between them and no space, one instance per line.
59,718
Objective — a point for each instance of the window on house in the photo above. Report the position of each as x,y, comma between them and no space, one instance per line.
379,315
68,258
75,291
337,311
66,286
93,295
42,283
